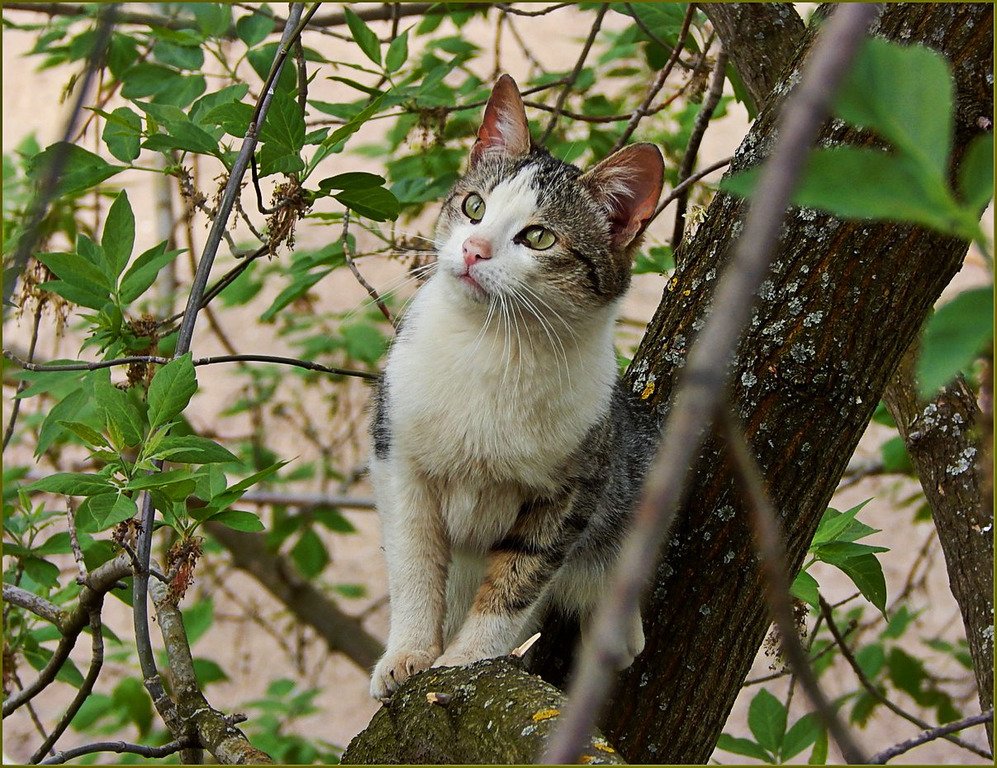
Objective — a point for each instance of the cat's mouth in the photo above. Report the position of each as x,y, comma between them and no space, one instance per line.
477,290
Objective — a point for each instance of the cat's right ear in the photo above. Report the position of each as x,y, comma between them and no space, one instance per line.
504,128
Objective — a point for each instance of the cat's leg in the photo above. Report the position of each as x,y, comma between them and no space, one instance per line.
580,588
519,567
417,554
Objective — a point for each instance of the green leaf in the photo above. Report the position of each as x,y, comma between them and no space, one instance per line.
333,520
65,409
76,294
364,342
254,28
233,118
375,203
192,449
870,659
867,574
898,623
363,36
905,672
348,128
284,124
976,174
397,53
131,698
86,433
834,523
745,747
767,720
101,512
309,554
198,618
819,754
143,272
185,137
76,270
213,19
80,170
230,495
120,413
895,458
42,572
239,520
905,94
119,233
858,183
171,389
122,134
803,733
953,337
806,588
299,287
210,101
208,671
72,484
657,260
351,180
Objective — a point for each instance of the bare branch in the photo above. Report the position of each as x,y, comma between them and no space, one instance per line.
680,188
49,183
930,735
573,77
705,376
873,691
305,501
659,82
699,127
769,539
215,359
116,746
351,263
32,602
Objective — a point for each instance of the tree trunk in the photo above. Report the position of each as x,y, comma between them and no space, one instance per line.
942,438
844,301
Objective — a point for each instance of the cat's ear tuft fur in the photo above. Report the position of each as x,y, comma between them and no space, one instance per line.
504,127
628,183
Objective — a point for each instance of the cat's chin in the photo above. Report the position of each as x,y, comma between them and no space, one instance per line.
467,287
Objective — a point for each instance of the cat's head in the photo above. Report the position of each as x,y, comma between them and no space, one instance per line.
523,225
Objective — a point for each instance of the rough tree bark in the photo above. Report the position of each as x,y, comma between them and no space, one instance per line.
943,440
844,301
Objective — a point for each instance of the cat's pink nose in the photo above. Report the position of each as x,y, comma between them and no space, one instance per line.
476,249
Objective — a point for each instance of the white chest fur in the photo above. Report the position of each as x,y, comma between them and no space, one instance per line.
494,411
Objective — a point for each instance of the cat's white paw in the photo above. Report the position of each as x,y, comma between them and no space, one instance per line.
633,640
395,667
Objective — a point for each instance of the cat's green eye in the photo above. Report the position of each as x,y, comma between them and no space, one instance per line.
474,207
538,238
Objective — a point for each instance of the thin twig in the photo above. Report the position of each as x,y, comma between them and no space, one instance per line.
873,691
930,735
96,662
119,747
769,539
680,188
213,360
659,82
705,376
348,255
45,677
512,10
305,501
38,605
573,77
23,385
699,127
74,543
49,184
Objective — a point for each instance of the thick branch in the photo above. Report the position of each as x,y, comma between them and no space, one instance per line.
489,712
341,632
943,442
762,39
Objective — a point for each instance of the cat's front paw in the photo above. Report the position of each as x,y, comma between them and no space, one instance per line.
395,667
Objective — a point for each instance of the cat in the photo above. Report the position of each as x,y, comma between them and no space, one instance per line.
507,457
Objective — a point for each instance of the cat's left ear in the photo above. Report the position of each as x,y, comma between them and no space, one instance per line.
628,183
504,127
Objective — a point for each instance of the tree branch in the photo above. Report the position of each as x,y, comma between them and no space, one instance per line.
452,716
942,440
116,746
705,377
930,735
878,695
769,540
34,603
761,39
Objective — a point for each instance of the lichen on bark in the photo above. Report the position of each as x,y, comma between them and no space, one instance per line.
488,712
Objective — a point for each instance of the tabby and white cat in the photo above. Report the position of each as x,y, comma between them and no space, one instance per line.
507,458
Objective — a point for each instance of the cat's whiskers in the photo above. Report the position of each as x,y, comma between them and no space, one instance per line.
556,346
469,355
519,343
397,284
